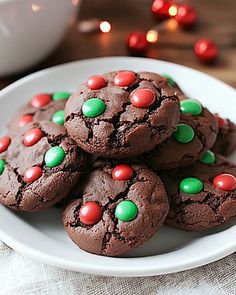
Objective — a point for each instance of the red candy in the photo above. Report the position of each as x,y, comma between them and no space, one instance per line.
124,78
137,42
4,143
160,9
186,16
96,82
40,100
32,136
142,98
122,172
225,182
32,174
206,50
90,213
26,119
221,122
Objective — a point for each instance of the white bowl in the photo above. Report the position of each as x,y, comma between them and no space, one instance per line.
30,30
41,235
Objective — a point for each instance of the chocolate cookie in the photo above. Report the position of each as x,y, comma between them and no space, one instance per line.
122,114
202,196
38,166
173,84
121,207
195,134
42,107
226,139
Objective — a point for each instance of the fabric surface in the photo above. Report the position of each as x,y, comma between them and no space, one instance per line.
20,275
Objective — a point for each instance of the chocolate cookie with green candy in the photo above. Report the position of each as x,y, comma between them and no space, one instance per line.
110,113
41,107
202,196
173,84
39,166
194,135
119,207
226,139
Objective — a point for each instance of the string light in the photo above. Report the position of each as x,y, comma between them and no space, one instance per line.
173,10
105,27
152,36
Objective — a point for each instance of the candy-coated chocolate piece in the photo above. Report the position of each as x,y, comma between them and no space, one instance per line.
184,133
90,213
206,50
40,100
54,156
93,107
225,182
32,136
142,98
221,121
160,9
191,106
124,78
58,117
24,120
2,166
208,158
186,15
32,174
122,172
61,95
171,81
4,143
137,42
126,211
191,185
96,82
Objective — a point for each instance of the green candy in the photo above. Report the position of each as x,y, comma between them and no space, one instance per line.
191,185
126,211
61,95
58,117
191,106
93,107
2,166
184,133
208,158
54,156
171,81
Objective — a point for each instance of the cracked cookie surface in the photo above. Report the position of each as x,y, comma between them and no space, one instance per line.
41,107
187,144
201,196
110,118
126,204
39,167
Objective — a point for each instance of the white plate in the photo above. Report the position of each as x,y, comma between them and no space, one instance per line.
41,235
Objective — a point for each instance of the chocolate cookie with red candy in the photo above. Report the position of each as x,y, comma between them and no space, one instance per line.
41,107
38,166
226,139
202,196
118,208
194,135
122,114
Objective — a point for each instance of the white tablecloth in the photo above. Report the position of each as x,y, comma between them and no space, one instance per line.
20,275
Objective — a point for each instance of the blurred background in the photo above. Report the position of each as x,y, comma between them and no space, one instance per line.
112,28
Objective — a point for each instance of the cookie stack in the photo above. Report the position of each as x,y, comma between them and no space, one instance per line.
124,154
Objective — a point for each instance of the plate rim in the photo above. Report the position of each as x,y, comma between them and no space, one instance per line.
98,270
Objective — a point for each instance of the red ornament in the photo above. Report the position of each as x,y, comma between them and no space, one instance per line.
122,172
32,174
32,136
90,213
142,98
124,78
40,100
4,143
186,16
96,82
221,121
225,182
206,50
137,42
26,119
160,9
